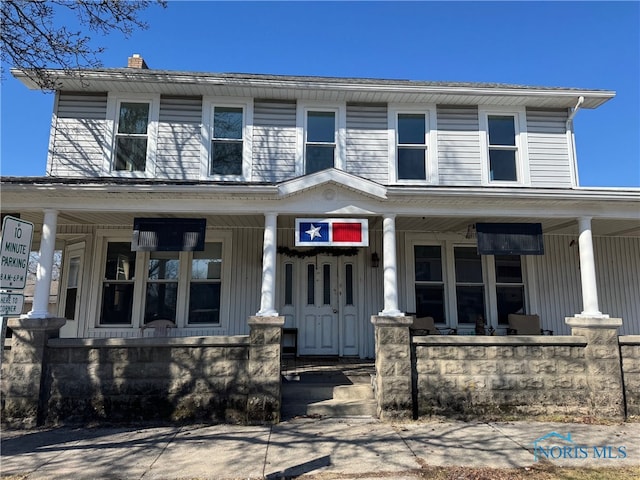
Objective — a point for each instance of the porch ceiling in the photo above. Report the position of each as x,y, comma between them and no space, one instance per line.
83,222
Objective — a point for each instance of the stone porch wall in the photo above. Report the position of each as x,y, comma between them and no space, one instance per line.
630,354
51,381
117,380
501,376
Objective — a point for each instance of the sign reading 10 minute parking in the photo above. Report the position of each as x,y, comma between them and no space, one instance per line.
14,253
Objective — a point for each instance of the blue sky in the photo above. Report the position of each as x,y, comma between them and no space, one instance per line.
593,45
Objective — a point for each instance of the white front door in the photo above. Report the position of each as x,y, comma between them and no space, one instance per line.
318,330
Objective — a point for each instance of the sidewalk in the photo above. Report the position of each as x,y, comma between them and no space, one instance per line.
351,446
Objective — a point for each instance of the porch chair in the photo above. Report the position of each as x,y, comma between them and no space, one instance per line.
525,325
427,326
160,327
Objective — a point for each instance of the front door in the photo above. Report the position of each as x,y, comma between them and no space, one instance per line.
320,297
318,332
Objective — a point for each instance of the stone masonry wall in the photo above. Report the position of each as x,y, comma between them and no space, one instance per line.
630,353
501,376
169,379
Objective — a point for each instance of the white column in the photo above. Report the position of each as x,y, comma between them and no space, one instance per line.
389,263
268,297
588,270
40,308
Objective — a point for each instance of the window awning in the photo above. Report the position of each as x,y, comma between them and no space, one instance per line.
510,239
168,234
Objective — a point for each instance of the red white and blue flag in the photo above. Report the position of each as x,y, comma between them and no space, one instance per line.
334,232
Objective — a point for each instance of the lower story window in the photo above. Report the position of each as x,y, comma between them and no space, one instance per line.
184,287
509,286
204,287
456,286
117,285
162,286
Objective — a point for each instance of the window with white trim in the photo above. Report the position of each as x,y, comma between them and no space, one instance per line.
187,288
134,122
450,282
503,138
412,140
226,133
320,141
429,282
227,141
510,296
321,137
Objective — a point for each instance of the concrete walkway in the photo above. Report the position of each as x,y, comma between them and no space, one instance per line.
346,447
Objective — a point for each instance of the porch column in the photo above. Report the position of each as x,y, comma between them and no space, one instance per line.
389,263
268,296
588,271
40,308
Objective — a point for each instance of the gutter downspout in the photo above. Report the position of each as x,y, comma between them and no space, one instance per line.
571,141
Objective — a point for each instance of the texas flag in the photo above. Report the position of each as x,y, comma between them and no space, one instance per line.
336,232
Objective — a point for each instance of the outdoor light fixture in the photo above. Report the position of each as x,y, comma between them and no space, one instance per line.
471,231
375,260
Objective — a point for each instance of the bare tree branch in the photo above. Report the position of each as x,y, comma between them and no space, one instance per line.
35,39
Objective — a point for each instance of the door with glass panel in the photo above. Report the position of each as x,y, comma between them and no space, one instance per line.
72,269
319,323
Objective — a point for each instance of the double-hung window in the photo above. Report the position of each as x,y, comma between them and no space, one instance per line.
504,147
226,132
320,141
133,135
450,282
411,141
469,285
321,137
227,141
509,286
412,146
429,282
188,288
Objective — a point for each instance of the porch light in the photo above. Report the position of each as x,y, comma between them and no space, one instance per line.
375,260
471,231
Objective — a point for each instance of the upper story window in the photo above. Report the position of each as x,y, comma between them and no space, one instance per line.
320,141
321,133
226,139
226,144
133,135
504,147
411,144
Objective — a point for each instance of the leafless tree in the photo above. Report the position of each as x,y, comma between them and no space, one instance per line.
35,37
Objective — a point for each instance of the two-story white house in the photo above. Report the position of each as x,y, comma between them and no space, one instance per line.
207,198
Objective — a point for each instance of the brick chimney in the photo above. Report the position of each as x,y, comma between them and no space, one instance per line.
136,61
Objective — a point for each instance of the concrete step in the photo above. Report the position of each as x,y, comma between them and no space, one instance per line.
343,408
361,391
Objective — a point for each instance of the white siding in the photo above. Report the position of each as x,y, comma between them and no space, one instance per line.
78,143
179,138
617,270
274,141
247,278
367,142
549,161
459,159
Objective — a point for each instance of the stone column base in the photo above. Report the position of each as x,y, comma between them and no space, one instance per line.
602,358
25,402
265,399
394,392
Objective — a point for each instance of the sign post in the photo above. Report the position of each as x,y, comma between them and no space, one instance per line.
15,248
